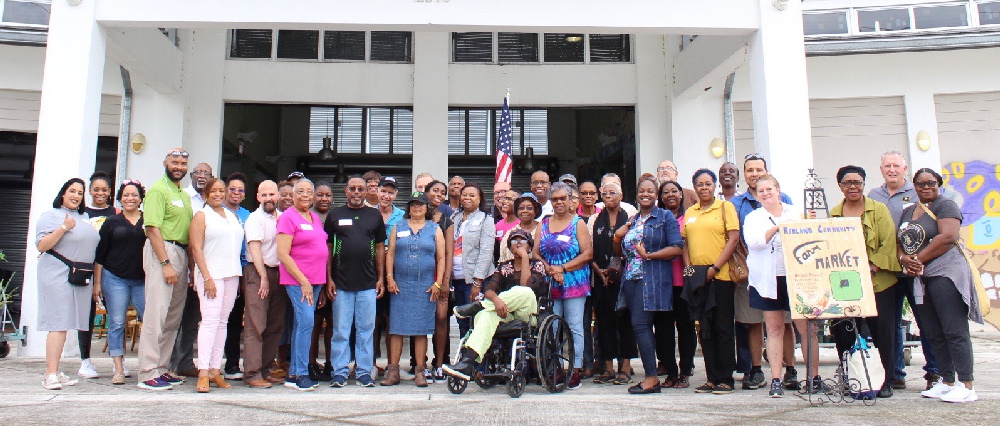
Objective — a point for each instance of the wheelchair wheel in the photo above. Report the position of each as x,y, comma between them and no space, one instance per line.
554,353
456,385
515,386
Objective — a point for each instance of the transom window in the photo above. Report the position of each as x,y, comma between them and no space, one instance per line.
308,45
512,47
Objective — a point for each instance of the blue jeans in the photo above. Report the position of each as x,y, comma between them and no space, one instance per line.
117,294
301,329
462,291
572,311
355,308
904,288
642,325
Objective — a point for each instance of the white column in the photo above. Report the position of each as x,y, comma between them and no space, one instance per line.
430,103
780,94
921,114
67,132
203,83
654,141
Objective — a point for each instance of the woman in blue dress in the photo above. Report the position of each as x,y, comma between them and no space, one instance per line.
417,252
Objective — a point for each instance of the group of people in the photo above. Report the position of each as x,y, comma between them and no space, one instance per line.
647,281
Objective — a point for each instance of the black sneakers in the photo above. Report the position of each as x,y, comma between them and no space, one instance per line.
754,379
464,368
468,310
791,378
777,389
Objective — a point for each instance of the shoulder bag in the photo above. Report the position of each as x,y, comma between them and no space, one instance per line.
79,272
738,270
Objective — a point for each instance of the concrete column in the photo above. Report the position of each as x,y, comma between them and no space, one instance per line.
654,141
430,103
202,85
780,94
67,133
921,114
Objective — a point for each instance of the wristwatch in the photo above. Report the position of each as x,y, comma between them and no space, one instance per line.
165,262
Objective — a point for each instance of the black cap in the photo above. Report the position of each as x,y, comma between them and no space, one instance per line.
419,198
295,175
388,180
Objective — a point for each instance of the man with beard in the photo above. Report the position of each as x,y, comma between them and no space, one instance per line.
202,172
265,298
729,177
167,216
750,321
286,190
667,171
236,184
354,280
182,358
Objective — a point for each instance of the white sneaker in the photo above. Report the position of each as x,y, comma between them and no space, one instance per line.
51,382
960,393
127,373
404,374
66,380
937,391
87,370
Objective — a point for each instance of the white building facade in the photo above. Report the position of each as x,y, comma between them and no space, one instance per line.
821,82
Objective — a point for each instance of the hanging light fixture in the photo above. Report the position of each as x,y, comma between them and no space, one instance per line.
341,175
529,161
327,153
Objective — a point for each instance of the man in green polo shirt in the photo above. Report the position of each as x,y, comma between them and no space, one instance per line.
167,215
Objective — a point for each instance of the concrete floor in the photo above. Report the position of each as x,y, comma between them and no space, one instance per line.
96,401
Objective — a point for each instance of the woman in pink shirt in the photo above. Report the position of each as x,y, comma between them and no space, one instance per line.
303,253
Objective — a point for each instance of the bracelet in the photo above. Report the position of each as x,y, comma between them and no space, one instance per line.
64,228
388,275
437,285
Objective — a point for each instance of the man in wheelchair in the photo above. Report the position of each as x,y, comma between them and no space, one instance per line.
509,294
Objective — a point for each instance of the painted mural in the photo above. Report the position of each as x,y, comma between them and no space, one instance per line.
975,186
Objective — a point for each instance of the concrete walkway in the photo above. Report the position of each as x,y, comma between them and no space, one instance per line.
24,401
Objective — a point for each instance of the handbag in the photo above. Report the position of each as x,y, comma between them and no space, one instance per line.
79,272
864,365
738,271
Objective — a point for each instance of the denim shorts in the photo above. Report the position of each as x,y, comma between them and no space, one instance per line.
765,304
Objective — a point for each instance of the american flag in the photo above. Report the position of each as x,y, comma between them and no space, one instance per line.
505,159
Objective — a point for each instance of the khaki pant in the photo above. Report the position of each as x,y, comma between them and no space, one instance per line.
263,323
164,306
521,303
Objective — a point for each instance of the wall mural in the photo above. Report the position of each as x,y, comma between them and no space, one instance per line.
976,186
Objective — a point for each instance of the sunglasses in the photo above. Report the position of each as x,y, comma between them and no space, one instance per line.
852,183
518,241
356,189
926,184
754,156
176,153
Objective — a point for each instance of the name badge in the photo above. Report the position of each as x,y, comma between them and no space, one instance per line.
907,205
306,227
563,238
177,203
345,222
692,219
499,234
402,234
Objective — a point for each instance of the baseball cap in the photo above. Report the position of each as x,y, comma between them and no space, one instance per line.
388,180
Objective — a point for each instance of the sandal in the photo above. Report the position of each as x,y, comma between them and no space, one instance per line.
622,378
682,383
605,377
669,382
220,382
708,387
202,384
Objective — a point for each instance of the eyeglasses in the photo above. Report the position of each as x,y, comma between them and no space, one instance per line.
588,193
356,189
237,190
526,208
201,173
539,182
518,241
853,183
575,198
926,184
176,153
665,168
303,192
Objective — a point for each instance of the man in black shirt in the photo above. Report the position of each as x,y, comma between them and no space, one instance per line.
357,246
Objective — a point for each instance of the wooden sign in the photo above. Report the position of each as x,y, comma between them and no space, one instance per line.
826,264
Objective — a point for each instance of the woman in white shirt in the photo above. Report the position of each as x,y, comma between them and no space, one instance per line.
216,242
768,287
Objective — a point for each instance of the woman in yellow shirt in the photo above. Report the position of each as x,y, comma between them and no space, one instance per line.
711,239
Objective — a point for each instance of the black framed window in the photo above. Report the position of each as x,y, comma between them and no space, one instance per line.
392,46
892,19
516,47
375,130
561,47
472,47
344,45
825,23
251,44
298,44
610,48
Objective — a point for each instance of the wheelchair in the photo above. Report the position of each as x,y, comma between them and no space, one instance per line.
523,351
